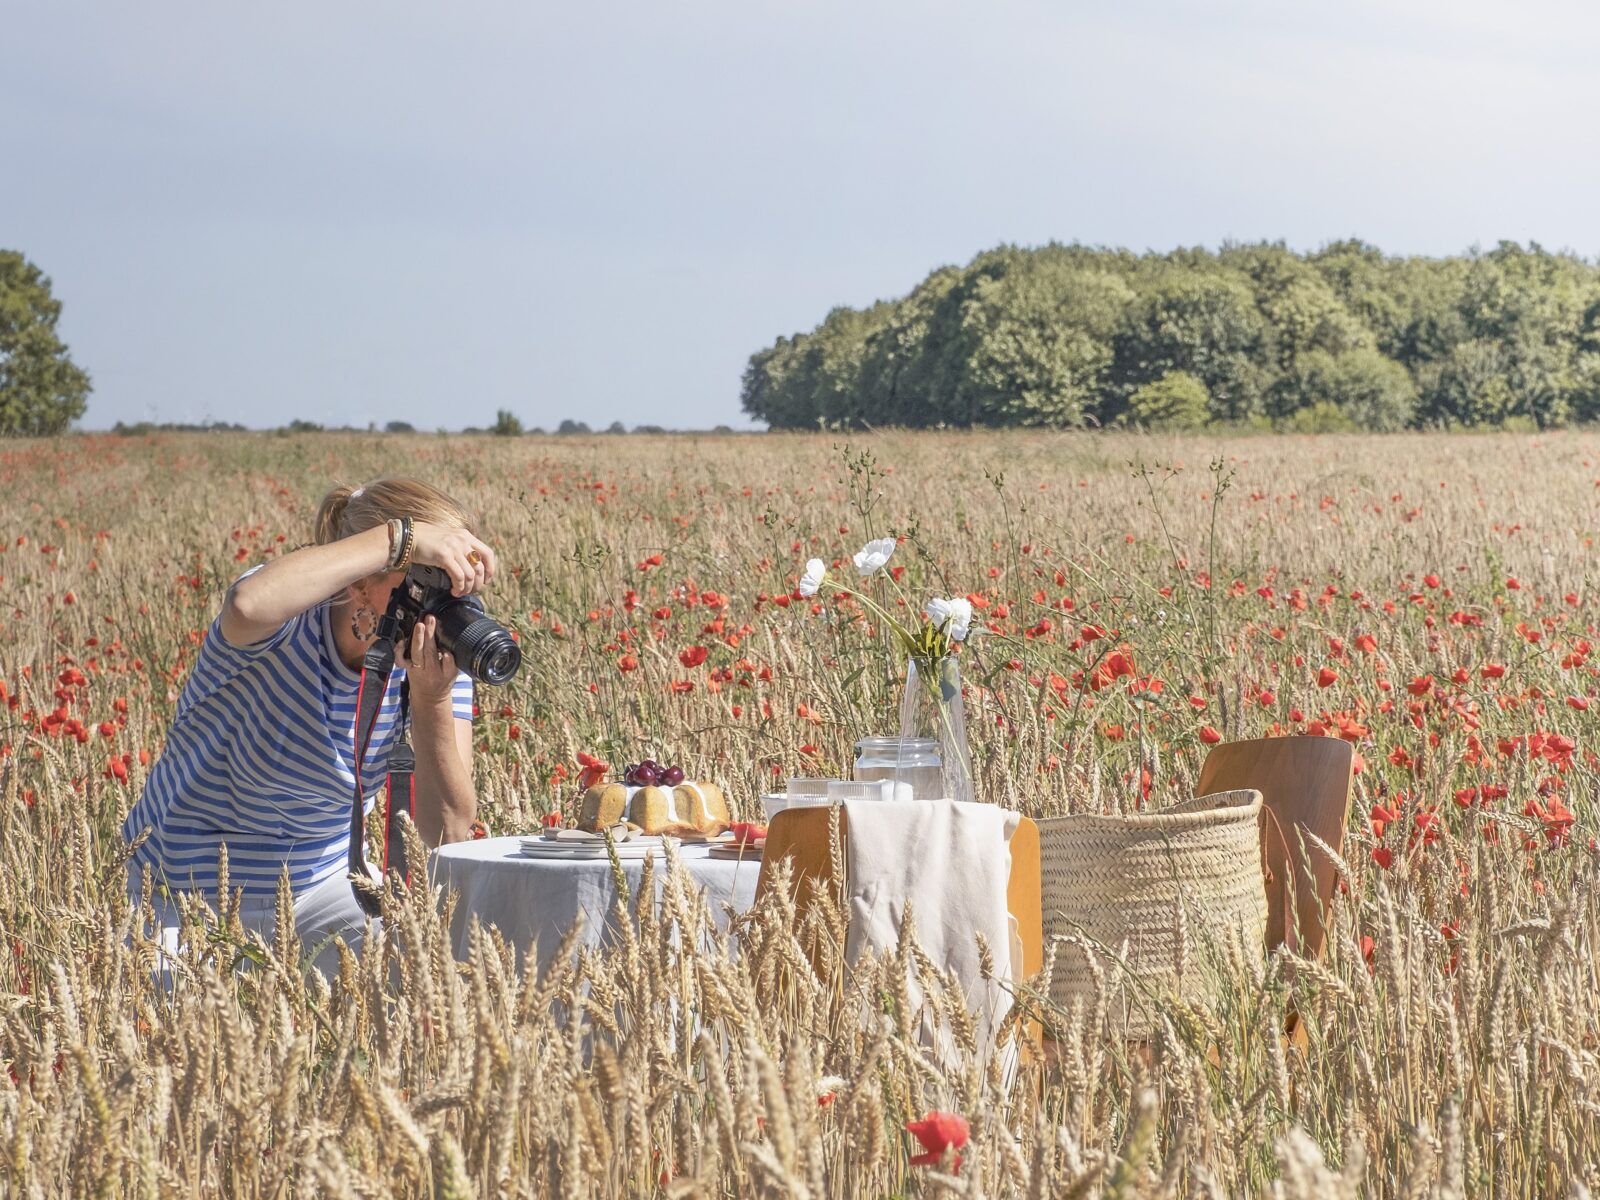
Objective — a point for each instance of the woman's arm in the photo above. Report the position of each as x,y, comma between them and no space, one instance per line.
446,804
257,606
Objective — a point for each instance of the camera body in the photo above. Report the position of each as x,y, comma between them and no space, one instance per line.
482,647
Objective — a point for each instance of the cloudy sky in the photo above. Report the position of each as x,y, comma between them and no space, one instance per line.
361,211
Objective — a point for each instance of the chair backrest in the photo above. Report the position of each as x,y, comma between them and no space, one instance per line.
1305,787
802,835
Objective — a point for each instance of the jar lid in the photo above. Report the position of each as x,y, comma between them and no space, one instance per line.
912,744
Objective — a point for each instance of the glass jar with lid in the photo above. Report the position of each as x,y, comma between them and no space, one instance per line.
910,760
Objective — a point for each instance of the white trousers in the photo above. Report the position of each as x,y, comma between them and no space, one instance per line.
322,912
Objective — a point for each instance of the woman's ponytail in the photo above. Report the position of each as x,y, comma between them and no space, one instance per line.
330,515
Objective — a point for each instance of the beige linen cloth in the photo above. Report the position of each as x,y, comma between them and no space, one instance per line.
951,861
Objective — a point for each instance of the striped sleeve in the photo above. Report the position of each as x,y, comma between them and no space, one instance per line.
220,661
461,697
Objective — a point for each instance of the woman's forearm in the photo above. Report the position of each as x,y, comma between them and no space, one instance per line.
258,606
446,804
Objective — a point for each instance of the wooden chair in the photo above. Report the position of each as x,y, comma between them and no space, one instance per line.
1305,788
802,835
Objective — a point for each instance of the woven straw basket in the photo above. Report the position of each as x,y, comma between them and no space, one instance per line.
1153,898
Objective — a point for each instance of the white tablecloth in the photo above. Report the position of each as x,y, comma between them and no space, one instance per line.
534,902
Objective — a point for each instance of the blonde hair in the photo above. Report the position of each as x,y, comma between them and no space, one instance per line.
346,510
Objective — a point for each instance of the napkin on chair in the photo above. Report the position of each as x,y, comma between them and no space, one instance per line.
951,861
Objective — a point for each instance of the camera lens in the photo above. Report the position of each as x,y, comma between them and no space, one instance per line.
481,645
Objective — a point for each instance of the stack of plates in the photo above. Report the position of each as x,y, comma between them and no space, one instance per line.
726,847
587,848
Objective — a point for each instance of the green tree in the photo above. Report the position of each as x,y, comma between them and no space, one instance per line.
903,357
1175,401
506,424
816,377
1206,324
42,390
1324,416
1037,342
1373,392
1303,312
1059,335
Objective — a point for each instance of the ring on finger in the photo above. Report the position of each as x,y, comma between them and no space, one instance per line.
474,558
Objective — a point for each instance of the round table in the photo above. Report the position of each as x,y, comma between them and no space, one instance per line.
534,901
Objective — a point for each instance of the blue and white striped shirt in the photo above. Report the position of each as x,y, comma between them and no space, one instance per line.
260,757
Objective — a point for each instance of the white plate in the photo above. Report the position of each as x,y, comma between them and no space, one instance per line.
580,837
538,847
732,850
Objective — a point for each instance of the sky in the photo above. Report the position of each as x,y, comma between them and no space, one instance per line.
358,212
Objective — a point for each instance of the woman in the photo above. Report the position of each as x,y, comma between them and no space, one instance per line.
260,754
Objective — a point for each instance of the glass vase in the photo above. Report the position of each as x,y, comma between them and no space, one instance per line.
931,708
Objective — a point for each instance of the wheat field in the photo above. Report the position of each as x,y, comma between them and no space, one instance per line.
1430,598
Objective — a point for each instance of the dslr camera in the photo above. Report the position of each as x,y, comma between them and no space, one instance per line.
482,647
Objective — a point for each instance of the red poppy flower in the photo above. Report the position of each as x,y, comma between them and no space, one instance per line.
692,656
1209,735
938,1132
593,771
1327,677
1112,667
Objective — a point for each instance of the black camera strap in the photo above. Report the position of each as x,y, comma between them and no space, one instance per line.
376,667
400,794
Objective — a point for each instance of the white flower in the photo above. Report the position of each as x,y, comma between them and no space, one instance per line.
812,579
957,611
873,555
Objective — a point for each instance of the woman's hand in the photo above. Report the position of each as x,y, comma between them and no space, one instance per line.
459,554
429,667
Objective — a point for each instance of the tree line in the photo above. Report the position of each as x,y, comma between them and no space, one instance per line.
1344,338
506,424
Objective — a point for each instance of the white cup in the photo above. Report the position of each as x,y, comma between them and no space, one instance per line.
778,802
